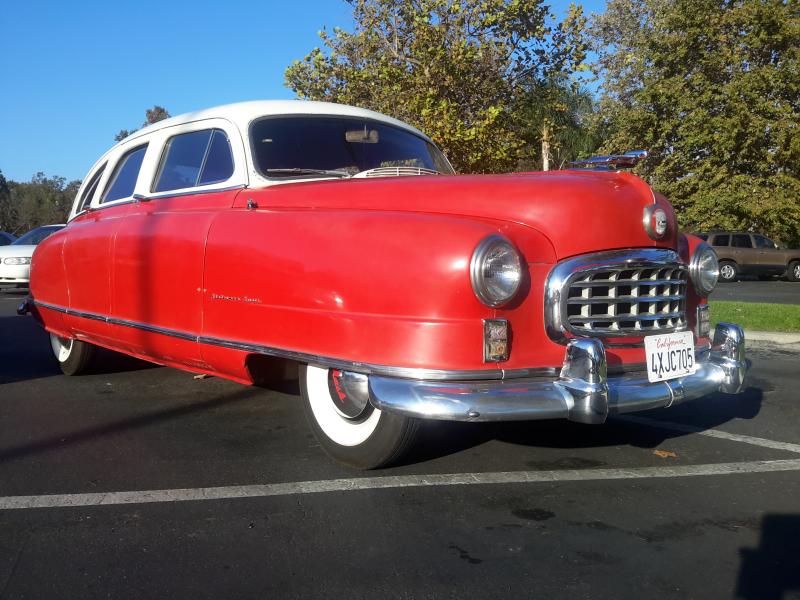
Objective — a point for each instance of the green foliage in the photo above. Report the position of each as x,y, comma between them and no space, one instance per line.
123,133
555,116
152,115
712,89
456,69
42,201
6,207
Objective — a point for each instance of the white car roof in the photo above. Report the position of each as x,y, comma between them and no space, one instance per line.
243,113
239,116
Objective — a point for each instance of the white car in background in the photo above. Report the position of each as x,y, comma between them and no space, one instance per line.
15,258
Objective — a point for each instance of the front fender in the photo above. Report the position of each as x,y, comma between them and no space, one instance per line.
381,287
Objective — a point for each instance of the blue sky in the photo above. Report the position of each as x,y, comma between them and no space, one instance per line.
72,74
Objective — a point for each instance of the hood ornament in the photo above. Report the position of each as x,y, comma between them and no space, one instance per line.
612,162
655,221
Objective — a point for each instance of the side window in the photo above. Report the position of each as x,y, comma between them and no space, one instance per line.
123,181
741,240
721,240
703,236
219,161
193,159
88,193
762,242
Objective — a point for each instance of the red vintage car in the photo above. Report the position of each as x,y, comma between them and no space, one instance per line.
256,238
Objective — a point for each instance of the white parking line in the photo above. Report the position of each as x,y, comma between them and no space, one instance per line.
388,482
715,433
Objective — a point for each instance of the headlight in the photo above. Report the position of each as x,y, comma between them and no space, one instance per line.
495,271
704,269
17,260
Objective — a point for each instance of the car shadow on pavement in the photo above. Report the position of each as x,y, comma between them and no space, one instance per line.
62,439
108,361
441,439
24,351
25,354
772,570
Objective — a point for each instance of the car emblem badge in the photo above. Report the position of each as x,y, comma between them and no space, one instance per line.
655,221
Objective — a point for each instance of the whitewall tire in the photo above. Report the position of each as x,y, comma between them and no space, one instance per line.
347,426
73,356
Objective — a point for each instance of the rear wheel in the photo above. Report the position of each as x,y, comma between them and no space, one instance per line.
793,272
346,425
728,271
73,356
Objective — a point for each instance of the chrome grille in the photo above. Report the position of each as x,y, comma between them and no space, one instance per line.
620,293
634,301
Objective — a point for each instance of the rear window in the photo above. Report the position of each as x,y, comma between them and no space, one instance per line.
194,159
741,240
721,240
123,181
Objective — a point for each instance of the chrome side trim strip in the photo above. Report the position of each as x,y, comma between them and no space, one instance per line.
313,359
192,192
357,367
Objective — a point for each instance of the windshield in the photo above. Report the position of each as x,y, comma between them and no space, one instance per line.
36,236
311,146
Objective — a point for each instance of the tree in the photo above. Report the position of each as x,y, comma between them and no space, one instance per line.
555,113
44,200
711,88
152,115
7,213
453,68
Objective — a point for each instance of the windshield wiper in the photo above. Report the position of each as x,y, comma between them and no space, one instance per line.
302,171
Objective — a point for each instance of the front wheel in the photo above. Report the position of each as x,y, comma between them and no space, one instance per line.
728,272
73,356
346,425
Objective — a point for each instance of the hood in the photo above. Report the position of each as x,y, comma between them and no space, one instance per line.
579,211
20,250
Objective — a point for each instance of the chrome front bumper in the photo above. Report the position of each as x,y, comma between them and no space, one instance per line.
583,392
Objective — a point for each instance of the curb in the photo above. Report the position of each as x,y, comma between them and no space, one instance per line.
773,337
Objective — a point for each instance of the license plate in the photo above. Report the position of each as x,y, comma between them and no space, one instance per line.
669,355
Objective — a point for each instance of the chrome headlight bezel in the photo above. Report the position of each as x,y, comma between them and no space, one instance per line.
704,269
487,250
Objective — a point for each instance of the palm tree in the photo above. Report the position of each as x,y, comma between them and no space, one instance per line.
554,115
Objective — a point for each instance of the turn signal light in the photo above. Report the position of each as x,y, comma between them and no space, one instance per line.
495,340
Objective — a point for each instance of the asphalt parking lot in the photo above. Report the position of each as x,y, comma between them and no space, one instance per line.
141,481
